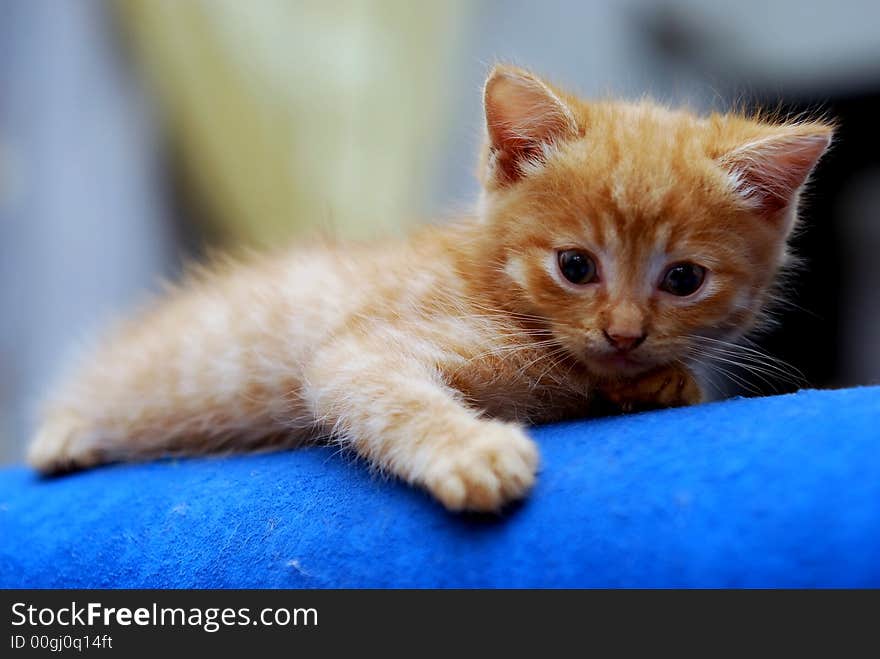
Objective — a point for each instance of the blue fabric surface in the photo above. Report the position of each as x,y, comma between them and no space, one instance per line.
781,491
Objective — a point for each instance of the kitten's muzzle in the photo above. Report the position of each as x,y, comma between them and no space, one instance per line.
624,342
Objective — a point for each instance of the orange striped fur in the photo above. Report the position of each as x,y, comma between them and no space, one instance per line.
426,356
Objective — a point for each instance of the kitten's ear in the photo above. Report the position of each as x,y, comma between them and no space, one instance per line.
523,117
768,173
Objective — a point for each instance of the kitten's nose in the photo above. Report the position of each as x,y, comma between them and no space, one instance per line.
625,342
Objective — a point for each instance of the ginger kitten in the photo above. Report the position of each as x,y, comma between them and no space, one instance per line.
613,240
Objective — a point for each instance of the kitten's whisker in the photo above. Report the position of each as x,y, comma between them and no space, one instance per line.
505,349
503,313
510,352
750,368
779,367
689,363
733,377
525,367
782,301
751,361
768,368
556,359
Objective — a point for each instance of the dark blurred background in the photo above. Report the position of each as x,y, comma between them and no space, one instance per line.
135,133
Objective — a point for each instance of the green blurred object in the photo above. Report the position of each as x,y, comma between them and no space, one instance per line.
297,117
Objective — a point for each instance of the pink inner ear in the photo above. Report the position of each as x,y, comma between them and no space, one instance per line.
768,174
522,115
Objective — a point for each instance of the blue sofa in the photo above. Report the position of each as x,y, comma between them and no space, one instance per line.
780,491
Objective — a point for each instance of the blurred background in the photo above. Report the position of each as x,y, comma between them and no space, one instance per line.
135,134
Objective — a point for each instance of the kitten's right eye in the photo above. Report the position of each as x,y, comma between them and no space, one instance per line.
683,279
577,266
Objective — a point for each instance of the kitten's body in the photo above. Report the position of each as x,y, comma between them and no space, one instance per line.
426,355
279,351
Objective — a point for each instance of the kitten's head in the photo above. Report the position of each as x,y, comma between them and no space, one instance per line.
632,228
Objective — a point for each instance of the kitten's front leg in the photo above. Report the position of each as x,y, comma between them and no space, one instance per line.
401,417
670,386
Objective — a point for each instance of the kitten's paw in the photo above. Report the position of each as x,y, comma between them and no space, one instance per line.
483,472
672,386
60,445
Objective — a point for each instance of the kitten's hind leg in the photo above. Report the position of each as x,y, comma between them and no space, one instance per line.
62,444
214,367
401,417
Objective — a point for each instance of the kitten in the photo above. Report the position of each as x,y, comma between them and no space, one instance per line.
611,240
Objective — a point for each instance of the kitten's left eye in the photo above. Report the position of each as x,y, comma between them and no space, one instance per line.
577,266
683,279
